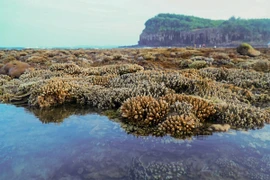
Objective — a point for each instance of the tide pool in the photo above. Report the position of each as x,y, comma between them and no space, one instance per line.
81,144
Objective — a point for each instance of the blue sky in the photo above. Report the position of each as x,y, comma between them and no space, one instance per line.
33,23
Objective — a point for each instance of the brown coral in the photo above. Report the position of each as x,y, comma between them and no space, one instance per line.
179,125
54,92
241,116
201,107
144,110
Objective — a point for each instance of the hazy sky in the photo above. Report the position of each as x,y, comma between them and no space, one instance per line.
34,23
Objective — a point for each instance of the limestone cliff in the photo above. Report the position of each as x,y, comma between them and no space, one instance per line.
207,36
227,33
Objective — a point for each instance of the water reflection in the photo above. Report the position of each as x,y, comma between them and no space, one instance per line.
60,113
93,147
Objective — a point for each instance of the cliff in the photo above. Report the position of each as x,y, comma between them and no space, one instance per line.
161,31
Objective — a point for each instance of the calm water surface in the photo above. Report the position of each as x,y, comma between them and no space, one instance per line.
90,146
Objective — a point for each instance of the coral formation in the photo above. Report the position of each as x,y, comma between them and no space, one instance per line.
158,91
53,92
178,125
241,116
198,64
144,110
156,170
262,65
200,107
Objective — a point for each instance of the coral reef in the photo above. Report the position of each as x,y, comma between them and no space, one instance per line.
174,114
178,125
198,64
241,116
157,91
156,170
200,107
262,65
53,92
144,110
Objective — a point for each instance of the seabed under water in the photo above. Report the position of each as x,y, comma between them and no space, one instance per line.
90,146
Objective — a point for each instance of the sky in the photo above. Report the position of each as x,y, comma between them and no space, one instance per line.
58,23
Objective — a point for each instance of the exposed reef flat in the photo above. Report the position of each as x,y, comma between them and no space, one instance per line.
156,91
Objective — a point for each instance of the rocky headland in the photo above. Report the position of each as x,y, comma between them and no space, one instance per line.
182,31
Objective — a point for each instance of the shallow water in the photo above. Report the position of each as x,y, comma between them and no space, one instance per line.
90,146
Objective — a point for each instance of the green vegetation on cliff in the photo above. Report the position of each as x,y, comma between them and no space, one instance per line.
177,23
173,22
250,27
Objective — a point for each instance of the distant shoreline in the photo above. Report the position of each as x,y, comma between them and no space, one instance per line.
117,47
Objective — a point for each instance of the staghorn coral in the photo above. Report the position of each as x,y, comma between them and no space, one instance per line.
262,65
198,64
113,69
8,57
181,108
4,79
144,110
100,80
8,88
240,115
104,98
156,110
241,78
185,63
149,88
52,92
178,125
219,55
127,80
201,107
39,75
175,114
37,59
68,68
134,108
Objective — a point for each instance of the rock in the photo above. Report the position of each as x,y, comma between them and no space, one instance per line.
14,68
219,127
247,49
